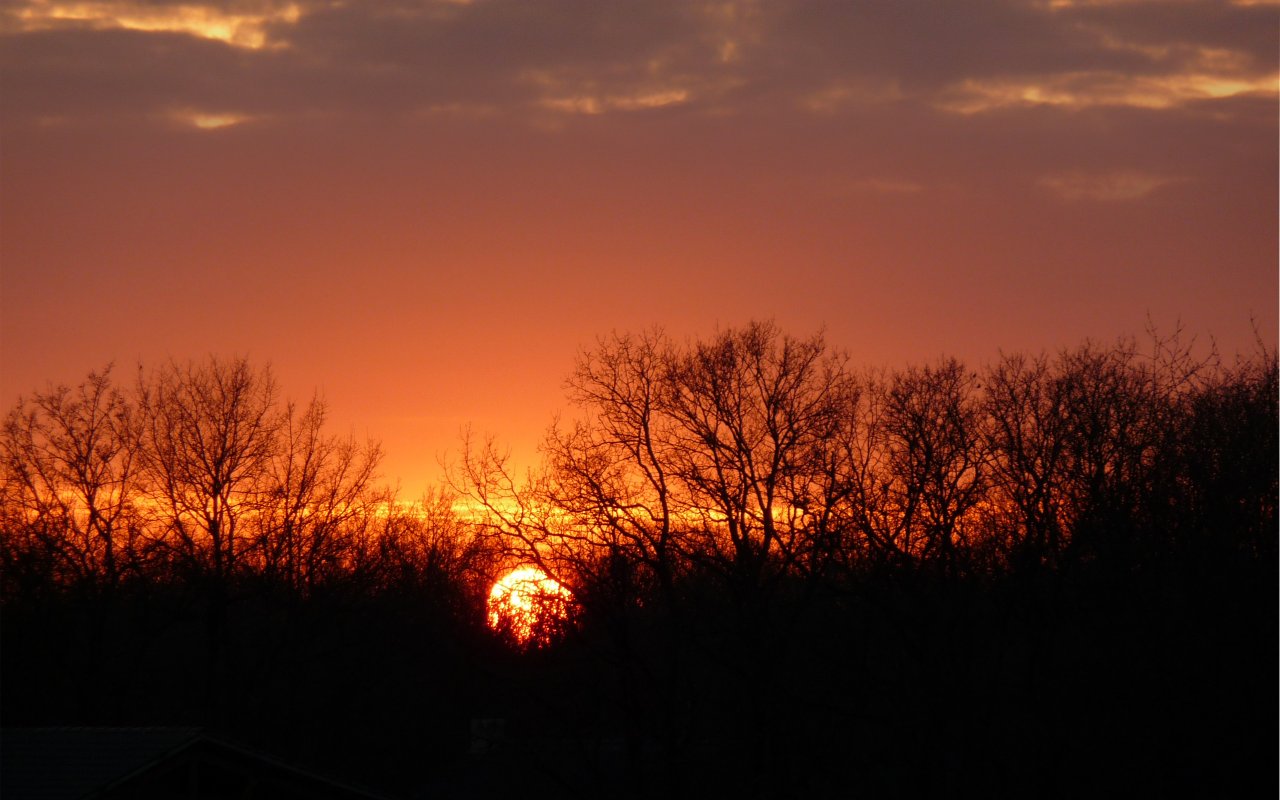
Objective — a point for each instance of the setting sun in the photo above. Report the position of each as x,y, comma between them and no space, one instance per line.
528,604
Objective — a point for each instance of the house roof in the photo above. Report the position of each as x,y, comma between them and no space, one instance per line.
74,763
66,763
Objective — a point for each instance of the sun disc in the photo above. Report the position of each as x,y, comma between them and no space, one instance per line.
529,605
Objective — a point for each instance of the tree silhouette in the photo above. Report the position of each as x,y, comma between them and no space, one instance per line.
315,501
935,460
70,484
1027,436
1053,572
209,436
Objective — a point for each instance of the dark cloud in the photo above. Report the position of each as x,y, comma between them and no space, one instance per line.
1249,31
577,55
74,73
928,44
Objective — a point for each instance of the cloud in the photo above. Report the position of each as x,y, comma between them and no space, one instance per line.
593,104
883,186
851,93
1117,186
1087,89
208,121
519,60
239,24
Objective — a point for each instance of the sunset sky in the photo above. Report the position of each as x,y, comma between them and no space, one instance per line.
424,209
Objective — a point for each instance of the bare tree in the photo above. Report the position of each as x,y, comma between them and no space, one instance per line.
1226,461
935,462
1114,406
431,547
314,498
758,422
209,433
69,461
1027,434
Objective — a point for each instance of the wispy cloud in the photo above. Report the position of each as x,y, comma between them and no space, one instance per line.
1117,186
208,121
883,186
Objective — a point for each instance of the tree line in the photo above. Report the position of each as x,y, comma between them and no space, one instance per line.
759,458
197,472
754,454
789,573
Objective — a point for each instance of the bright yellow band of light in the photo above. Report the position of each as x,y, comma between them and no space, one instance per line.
240,29
1086,90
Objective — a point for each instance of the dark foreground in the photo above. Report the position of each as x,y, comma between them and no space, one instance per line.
1152,681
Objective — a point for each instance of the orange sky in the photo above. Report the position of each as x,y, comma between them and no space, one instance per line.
423,209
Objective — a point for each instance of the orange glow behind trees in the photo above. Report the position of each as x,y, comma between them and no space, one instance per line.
730,540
